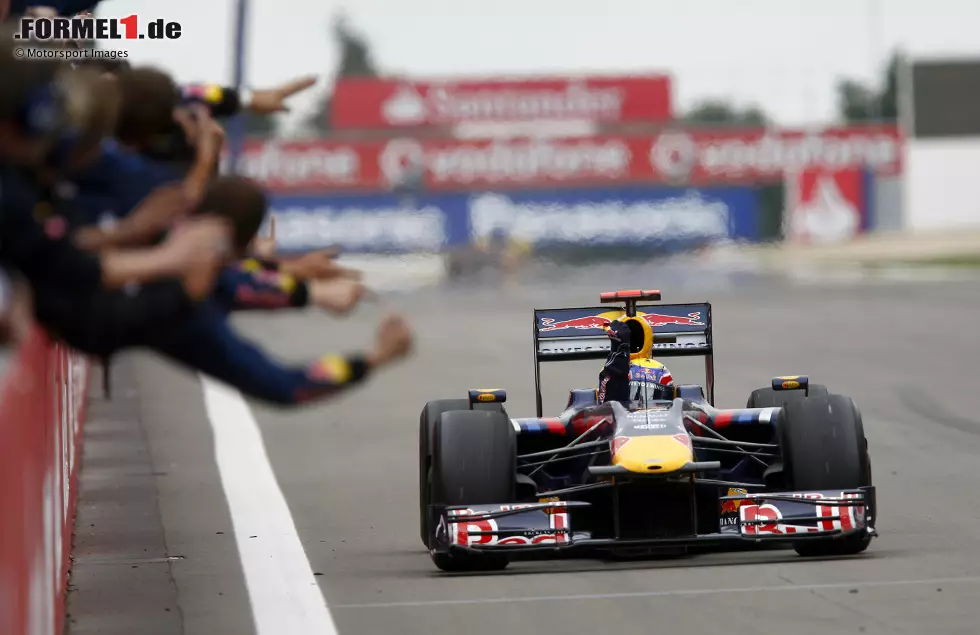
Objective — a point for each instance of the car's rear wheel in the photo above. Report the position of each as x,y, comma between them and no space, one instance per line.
427,425
824,448
769,398
474,462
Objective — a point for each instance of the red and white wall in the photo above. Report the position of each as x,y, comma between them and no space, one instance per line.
43,394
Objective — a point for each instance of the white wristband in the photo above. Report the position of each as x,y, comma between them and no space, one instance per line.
245,98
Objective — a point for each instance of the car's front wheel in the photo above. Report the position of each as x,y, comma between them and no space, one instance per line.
474,462
824,448
427,425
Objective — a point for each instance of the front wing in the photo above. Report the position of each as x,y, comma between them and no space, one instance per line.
763,517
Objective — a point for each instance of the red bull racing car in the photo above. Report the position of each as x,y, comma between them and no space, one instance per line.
617,478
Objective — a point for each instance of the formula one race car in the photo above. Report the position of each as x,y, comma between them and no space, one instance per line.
627,478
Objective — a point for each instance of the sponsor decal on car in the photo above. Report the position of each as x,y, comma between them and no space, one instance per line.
471,533
768,518
650,426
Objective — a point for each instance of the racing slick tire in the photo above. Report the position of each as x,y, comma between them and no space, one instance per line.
474,461
769,398
427,425
824,448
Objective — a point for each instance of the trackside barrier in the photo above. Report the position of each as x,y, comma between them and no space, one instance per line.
43,395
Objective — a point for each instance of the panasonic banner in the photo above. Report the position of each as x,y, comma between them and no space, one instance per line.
630,216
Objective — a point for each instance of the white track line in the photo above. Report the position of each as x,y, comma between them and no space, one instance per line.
669,593
284,595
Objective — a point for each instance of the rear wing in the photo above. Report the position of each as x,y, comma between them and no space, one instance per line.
579,333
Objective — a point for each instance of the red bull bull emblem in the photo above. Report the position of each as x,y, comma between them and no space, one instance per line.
731,507
655,319
583,323
603,320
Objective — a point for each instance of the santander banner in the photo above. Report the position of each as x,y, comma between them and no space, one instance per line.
369,103
717,157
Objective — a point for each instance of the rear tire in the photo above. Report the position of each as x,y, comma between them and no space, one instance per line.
427,425
824,448
769,398
474,462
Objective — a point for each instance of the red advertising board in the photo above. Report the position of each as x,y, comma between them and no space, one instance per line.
825,205
369,103
697,158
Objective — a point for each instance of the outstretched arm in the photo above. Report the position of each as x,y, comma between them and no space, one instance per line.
242,288
614,377
208,344
251,286
225,101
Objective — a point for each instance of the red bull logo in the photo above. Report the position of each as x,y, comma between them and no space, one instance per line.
583,323
731,507
602,320
655,319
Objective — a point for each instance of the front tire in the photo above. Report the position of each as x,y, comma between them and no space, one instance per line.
824,448
474,462
427,425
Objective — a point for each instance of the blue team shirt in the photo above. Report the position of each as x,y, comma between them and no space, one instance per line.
64,7
115,184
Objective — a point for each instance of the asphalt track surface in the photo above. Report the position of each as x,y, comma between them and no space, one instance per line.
155,550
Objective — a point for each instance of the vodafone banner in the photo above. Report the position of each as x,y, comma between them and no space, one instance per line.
728,157
369,103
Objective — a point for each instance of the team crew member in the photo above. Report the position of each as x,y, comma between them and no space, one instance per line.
108,181
35,101
208,343
16,307
35,104
150,96
147,127
105,322
48,8
51,8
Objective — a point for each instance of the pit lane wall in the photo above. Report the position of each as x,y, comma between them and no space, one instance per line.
42,409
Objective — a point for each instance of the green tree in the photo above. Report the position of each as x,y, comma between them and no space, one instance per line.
860,103
719,112
356,60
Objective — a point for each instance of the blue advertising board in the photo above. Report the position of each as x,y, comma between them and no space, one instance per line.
574,217
376,223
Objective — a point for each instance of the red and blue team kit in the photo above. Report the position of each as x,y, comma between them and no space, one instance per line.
404,191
